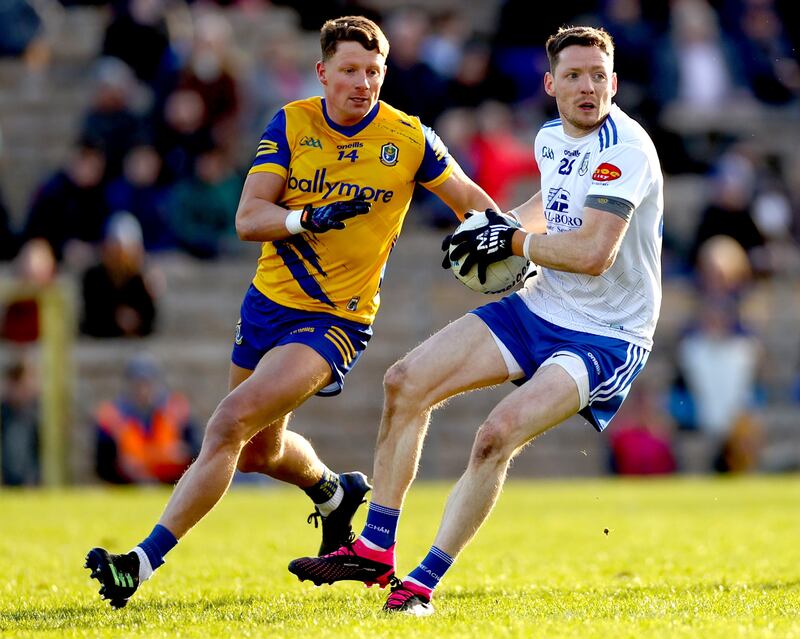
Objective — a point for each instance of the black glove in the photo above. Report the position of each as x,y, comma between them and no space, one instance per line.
330,216
482,246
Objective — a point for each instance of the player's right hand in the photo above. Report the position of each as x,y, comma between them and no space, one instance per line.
331,216
483,245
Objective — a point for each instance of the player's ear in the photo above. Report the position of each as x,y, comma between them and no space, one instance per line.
613,84
548,84
321,73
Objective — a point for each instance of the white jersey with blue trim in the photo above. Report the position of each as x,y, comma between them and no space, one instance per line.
617,161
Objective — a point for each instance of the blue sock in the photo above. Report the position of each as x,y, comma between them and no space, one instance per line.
381,525
431,569
158,544
325,488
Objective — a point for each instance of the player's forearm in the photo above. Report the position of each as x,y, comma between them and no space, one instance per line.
261,221
573,252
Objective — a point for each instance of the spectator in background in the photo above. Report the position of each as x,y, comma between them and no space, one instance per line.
8,239
502,160
475,82
139,191
20,26
457,128
740,452
69,209
696,67
640,441
277,77
203,207
118,293
718,356
137,35
313,13
793,194
22,36
730,212
181,134
767,58
146,434
411,84
34,269
19,424
514,47
210,72
113,116
633,40
773,215
444,46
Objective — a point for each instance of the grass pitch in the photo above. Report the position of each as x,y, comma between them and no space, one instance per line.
664,558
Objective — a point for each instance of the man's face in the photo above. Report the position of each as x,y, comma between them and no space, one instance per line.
583,84
352,78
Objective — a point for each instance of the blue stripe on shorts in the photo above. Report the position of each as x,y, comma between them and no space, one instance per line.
264,325
612,363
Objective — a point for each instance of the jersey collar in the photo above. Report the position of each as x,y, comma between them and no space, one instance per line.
353,129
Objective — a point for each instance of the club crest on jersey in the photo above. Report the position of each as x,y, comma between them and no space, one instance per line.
389,154
584,168
606,172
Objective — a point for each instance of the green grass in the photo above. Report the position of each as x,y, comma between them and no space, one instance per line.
682,558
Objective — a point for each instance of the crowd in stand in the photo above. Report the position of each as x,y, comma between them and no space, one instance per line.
176,109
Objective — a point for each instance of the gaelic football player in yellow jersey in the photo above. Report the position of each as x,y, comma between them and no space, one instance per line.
330,185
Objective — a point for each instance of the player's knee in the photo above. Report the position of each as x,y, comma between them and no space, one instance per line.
396,381
227,426
492,443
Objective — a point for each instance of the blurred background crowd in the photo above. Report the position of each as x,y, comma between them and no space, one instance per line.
126,130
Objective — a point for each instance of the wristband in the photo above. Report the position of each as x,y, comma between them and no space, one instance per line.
513,213
293,222
526,247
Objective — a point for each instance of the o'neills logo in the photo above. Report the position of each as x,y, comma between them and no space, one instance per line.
606,172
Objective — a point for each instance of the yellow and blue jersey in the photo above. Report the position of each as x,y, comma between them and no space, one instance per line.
381,158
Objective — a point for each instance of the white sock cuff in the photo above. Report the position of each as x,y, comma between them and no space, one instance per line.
327,507
417,583
371,545
145,569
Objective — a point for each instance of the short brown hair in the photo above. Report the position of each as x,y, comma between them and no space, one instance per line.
583,37
352,29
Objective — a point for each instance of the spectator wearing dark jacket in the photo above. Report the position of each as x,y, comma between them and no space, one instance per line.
118,298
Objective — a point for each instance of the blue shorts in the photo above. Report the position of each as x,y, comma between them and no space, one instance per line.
612,363
263,325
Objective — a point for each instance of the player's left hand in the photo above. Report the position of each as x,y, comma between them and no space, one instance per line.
482,246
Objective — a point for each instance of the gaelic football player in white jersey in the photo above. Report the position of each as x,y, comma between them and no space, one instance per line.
572,340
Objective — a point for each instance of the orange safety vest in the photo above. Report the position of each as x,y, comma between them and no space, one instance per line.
158,453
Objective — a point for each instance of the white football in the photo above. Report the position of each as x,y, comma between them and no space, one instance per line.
500,276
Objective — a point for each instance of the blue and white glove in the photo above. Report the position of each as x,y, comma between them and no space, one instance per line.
482,246
332,216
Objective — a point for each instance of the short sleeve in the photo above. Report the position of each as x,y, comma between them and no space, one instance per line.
623,172
273,153
436,164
